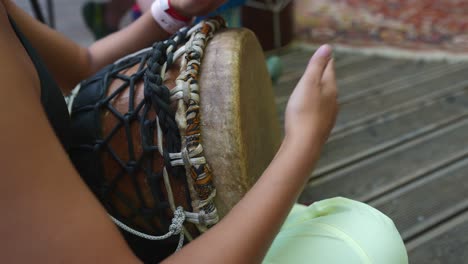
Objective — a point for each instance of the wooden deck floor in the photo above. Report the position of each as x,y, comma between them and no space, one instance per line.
400,145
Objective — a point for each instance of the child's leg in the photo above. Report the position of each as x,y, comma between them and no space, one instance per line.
336,231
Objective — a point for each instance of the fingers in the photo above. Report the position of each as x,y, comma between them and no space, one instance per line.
329,79
317,64
329,89
329,72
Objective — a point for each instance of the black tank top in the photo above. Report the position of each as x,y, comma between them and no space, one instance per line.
51,97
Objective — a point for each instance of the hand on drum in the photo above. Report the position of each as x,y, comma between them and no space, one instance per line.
192,8
312,107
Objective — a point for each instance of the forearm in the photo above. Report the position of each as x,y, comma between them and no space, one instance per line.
246,233
138,35
68,62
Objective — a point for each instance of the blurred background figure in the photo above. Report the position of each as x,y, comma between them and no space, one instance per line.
104,18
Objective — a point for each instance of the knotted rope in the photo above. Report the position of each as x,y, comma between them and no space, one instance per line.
186,94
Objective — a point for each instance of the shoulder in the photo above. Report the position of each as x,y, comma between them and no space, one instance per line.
17,67
3,13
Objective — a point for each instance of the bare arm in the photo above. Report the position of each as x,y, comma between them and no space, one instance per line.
246,233
49,215
70,63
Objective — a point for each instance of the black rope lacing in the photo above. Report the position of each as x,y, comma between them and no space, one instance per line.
156,98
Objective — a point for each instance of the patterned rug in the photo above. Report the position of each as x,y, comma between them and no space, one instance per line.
424,26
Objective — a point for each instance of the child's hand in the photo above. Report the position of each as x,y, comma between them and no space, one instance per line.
191,8
312,107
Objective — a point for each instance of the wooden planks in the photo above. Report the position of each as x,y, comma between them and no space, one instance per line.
399,98
393,168
403,75
391,131
429,200
445,244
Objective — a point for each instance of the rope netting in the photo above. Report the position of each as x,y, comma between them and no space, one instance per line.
173,135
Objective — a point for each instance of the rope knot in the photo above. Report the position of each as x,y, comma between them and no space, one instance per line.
202,217
178,221
186,157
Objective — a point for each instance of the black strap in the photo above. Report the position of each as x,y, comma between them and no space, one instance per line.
51,97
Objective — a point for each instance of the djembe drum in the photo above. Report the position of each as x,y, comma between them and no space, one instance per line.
170,145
